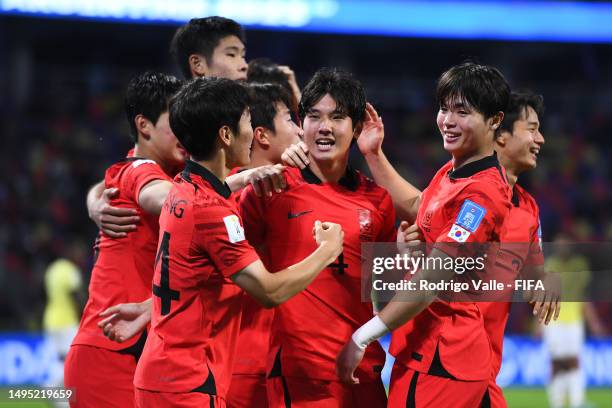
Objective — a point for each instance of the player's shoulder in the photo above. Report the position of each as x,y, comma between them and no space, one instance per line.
294,177
133,166
370,188
492,182
525,200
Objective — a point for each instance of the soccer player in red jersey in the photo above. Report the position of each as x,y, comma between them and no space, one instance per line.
443,356
309,330
204,259
273,131
518,142
102,371
210,46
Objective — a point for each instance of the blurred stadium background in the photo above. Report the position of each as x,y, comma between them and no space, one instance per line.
65,65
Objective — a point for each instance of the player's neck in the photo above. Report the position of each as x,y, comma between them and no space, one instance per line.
329,171
258,158
144,152
512,172
216,166
460,161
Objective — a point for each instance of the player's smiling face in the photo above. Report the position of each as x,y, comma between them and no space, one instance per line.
523,146
464,130
328,132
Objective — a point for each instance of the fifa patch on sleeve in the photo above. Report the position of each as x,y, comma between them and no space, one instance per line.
540,233
458,234
470,215
142,161
234,229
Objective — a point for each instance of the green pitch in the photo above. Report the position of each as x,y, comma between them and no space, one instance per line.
536,398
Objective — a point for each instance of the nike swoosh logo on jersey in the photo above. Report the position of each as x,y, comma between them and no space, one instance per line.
291,215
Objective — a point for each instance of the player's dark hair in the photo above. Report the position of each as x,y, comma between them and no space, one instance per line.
264,71
517,109
347,92
481,87
201,108
148,95
202,36
264,100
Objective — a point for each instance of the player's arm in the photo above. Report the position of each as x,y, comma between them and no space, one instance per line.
153,194
123,321
481,203
547,302
264,179
272,289
397,312
406,197
113,221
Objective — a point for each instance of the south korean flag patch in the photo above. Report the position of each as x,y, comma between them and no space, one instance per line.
235,231
458,233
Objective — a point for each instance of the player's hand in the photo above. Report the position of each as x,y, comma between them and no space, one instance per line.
125,320
409,239
347,361
372,134
547,302
296,155
331,236
297,94
267,179
113,221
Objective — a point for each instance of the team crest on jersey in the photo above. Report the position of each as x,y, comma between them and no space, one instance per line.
426,222
366,232
234,229
470,216
142,161
458,233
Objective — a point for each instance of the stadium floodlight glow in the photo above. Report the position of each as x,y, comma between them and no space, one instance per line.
476,19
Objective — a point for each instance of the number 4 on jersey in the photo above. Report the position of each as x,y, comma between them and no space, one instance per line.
339,266
163,291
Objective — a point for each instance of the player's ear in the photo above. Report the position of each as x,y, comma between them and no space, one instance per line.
143,126
225,136
496,120
198,65
260,134
501,138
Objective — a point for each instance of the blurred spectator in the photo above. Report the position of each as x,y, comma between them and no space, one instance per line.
564,338
64,284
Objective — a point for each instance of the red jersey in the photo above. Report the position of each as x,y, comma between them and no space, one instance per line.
196,307
309,330
124,266
466,205
520,246
254,338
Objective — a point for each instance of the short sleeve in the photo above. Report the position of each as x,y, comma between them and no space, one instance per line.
224,240
140,173
474,216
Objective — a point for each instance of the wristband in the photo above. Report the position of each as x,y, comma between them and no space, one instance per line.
374,329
